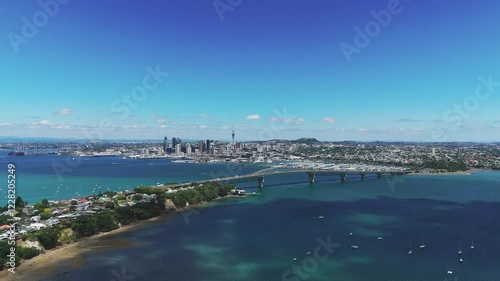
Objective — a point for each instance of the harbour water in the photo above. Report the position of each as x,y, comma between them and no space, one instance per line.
257,237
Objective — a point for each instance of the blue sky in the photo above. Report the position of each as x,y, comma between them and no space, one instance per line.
271,69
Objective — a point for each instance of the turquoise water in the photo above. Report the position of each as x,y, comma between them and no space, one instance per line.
63,177
257,237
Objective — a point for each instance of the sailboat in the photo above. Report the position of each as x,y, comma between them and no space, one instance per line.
422,245
459,249
472,247
410,251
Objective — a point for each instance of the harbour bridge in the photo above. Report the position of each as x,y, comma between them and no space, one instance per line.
312,171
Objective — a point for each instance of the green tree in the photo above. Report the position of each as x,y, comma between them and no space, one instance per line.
124,215
4,251
144,211
106,221
4,219
45,215
20,203
137,197
39,207
85,226
45,203
48,237
179,201
27,253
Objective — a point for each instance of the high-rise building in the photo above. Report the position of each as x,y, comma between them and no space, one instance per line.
201,145
208,147
188,149
433,152
165,144
178,149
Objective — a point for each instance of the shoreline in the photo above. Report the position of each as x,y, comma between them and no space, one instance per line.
68,257
468,172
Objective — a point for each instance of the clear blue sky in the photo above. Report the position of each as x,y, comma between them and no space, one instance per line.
271,69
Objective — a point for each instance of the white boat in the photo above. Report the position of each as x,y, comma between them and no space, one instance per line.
461,260
350,232
379,238
450,272
472,247
354,246
294,259
422,246
308,253
459,249
410,251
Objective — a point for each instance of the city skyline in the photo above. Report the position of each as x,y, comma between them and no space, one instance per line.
265,71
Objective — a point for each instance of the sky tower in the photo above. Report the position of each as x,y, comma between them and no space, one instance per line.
234,145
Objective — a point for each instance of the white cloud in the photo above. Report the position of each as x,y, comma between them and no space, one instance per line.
296,121
330,120
161,121
362,130
253,117
44,123
64,111
61,127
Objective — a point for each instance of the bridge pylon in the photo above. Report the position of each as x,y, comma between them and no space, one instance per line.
261,182
312,177
343,176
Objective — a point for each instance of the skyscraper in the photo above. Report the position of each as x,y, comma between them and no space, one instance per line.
208,146
165,144
201,146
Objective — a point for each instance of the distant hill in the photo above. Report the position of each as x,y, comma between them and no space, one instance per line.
306,141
